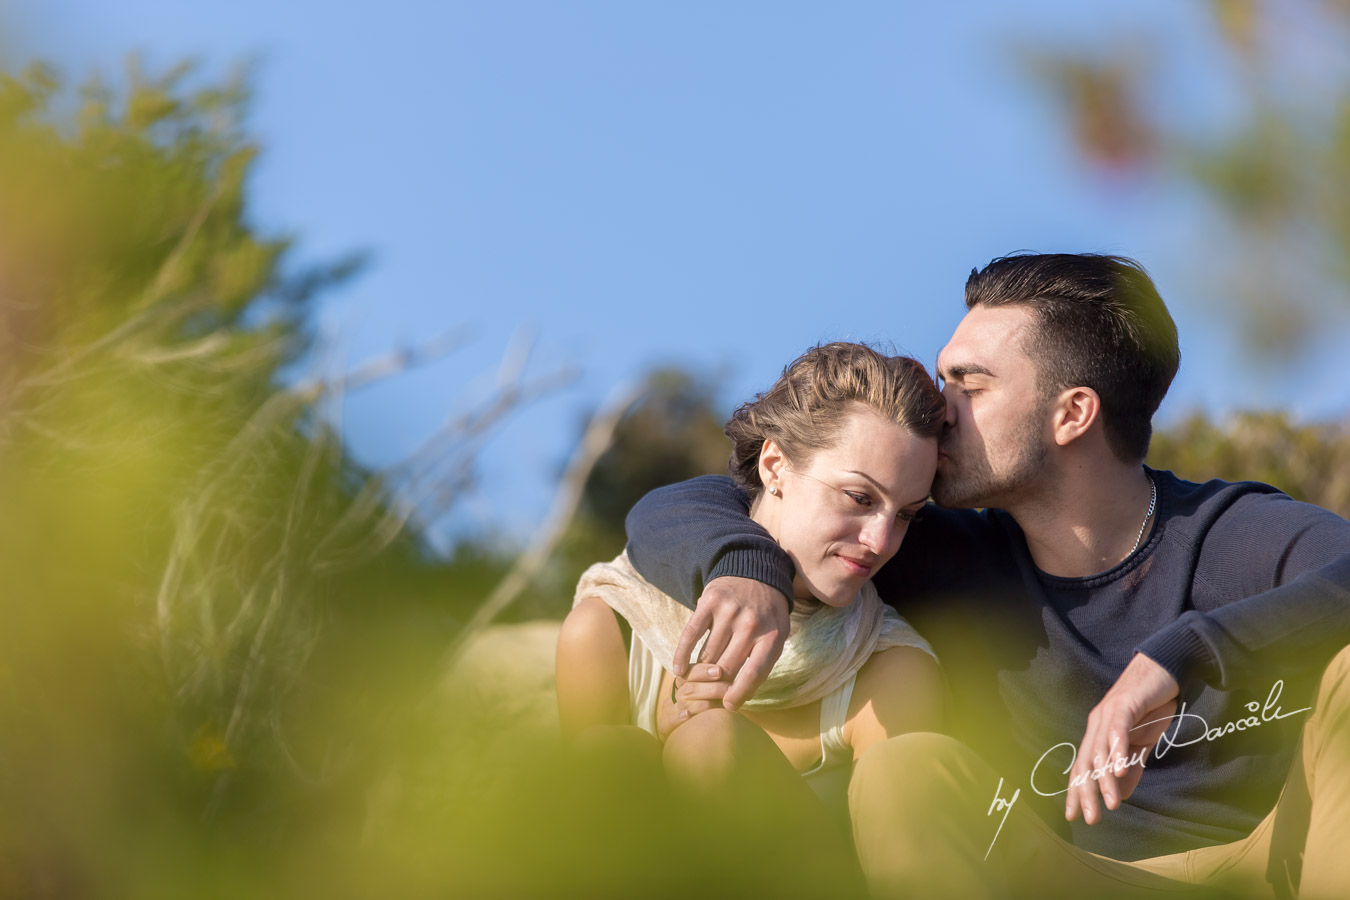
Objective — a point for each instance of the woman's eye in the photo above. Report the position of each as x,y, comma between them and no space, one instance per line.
860,499
970,392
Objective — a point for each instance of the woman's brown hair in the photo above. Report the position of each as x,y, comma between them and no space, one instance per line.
803,411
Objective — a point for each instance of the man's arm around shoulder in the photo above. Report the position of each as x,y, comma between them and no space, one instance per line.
696,542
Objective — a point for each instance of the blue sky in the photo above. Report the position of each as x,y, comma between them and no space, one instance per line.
716,185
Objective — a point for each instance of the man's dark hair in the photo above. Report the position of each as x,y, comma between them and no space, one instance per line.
1100,323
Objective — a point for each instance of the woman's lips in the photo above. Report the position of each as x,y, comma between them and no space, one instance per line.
856,567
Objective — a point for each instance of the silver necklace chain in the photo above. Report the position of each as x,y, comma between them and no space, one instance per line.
1152,502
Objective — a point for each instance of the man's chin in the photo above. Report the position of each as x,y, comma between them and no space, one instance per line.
951,495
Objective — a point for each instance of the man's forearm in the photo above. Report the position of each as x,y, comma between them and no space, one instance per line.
1292,627
684,535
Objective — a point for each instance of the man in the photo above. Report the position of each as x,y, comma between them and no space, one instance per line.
1138,657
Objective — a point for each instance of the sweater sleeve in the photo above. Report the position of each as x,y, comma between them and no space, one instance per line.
682,536
1300,620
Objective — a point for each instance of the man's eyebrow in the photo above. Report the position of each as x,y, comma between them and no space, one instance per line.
961,371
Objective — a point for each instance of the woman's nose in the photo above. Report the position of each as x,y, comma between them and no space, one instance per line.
877,534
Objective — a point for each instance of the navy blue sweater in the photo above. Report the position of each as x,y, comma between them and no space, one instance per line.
1238,588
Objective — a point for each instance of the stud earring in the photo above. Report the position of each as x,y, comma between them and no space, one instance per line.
774,490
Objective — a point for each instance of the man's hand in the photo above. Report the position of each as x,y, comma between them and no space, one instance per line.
1130,718
747,623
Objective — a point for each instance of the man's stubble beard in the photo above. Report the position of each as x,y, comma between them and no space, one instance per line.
975,484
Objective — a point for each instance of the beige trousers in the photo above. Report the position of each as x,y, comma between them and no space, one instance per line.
920,805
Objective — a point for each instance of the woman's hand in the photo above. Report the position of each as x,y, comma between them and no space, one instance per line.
746,623
684,698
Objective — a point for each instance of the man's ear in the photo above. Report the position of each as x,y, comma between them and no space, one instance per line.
1073,414
771,463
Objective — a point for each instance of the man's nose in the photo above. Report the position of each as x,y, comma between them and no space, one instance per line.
949,413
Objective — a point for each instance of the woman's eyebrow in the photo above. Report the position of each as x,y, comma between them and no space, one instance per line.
868,477
921,501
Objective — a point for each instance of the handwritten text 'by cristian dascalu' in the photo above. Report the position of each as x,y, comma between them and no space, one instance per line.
1116,763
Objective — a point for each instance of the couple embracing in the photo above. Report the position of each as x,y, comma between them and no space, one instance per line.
1066,672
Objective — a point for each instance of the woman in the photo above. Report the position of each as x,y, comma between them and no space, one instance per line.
837,458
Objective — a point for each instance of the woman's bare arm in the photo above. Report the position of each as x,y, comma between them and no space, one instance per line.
897,691
592,668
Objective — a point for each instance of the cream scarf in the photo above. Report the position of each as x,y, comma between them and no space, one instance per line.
826,645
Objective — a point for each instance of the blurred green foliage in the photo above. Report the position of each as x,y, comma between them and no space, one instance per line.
1306,461
207,607
1275,171
221,654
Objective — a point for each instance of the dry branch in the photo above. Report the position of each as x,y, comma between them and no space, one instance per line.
596,440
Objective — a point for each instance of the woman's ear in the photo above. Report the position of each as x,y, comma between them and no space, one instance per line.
771,462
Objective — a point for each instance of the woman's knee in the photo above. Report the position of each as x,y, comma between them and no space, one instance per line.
615,740
710,733
710,745
623,754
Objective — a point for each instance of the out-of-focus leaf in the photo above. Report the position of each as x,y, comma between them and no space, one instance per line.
1276,172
